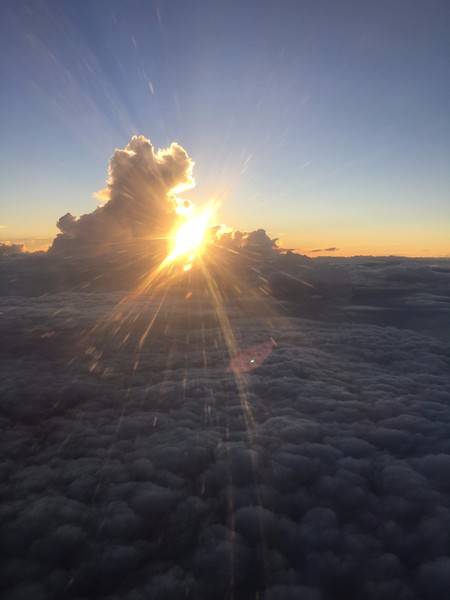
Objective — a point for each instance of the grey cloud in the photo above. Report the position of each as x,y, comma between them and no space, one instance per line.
123,482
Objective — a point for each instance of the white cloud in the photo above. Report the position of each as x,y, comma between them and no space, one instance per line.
137,202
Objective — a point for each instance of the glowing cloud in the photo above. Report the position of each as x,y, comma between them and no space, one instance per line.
139,201
190,237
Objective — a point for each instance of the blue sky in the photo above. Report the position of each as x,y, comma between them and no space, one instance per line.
326,123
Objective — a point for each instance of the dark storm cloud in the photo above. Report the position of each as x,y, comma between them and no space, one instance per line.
125,481
138,201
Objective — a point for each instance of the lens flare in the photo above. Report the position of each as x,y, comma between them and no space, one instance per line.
191,237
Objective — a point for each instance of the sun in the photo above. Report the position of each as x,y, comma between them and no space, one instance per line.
190,238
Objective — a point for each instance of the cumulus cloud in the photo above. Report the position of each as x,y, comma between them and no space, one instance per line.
312,462
138,201
254,244
127,235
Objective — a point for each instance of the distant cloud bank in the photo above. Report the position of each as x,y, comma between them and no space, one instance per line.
10,249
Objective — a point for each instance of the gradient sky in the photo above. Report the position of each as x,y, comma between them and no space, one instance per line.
325,122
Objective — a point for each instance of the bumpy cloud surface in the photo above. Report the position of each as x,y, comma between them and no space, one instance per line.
139,475
139,201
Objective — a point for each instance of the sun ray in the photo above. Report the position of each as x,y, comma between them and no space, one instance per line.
190,238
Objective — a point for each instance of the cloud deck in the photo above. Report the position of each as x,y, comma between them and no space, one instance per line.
146,482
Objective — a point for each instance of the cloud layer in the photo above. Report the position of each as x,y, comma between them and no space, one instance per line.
140,458
125,479
139,201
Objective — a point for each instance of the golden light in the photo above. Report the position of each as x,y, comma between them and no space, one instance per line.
191,237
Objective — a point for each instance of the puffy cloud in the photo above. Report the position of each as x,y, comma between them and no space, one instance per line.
143,480
139,201
255,245
126,235
311,463
434,578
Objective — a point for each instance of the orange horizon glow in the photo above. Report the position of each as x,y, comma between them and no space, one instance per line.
408,242
344,251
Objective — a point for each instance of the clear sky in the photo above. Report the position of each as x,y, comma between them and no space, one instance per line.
325,122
